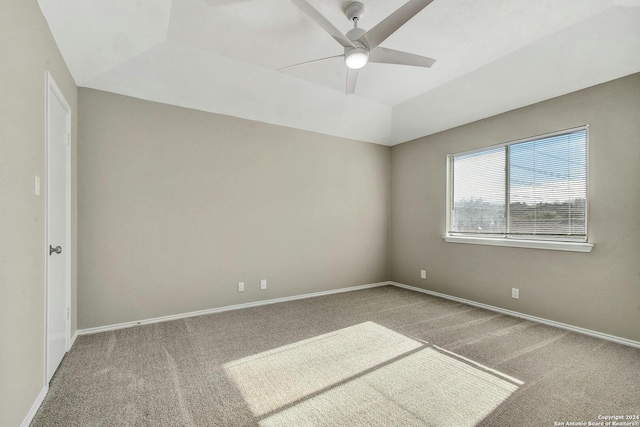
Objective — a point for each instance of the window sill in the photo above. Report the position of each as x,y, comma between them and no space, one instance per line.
531,244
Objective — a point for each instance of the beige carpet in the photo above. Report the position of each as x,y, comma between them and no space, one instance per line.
379,357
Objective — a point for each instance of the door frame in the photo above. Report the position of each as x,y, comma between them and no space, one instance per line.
52,89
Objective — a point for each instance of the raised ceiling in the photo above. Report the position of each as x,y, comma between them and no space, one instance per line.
222,56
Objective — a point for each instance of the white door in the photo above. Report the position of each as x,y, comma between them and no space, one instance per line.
58,224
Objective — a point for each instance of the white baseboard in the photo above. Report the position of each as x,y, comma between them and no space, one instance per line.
220,309
577,329
34,408
73,339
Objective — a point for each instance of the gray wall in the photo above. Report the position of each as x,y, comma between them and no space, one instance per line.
27,50
176,206
598,290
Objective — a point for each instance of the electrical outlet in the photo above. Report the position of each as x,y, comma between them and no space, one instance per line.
263,284
240,286
515,293
423,274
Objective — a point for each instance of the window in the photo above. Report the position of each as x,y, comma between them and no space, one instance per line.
532,191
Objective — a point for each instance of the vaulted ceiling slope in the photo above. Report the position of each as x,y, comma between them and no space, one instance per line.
222,56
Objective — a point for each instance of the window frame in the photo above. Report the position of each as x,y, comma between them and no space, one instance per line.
585,246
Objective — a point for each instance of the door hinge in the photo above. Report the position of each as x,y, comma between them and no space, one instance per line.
69,139
67,313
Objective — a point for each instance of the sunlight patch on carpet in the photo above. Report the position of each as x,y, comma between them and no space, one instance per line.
275,378
367,375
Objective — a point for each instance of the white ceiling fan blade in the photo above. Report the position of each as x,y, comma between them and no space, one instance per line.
391,56
391,23
309,62
352,78
323,22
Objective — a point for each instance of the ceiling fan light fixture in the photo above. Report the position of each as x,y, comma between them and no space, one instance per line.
356,58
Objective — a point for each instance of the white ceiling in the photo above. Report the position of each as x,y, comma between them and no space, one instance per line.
222,56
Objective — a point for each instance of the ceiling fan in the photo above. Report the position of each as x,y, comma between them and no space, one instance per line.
360,46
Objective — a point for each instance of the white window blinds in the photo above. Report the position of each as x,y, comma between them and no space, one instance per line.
530,190
478,188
